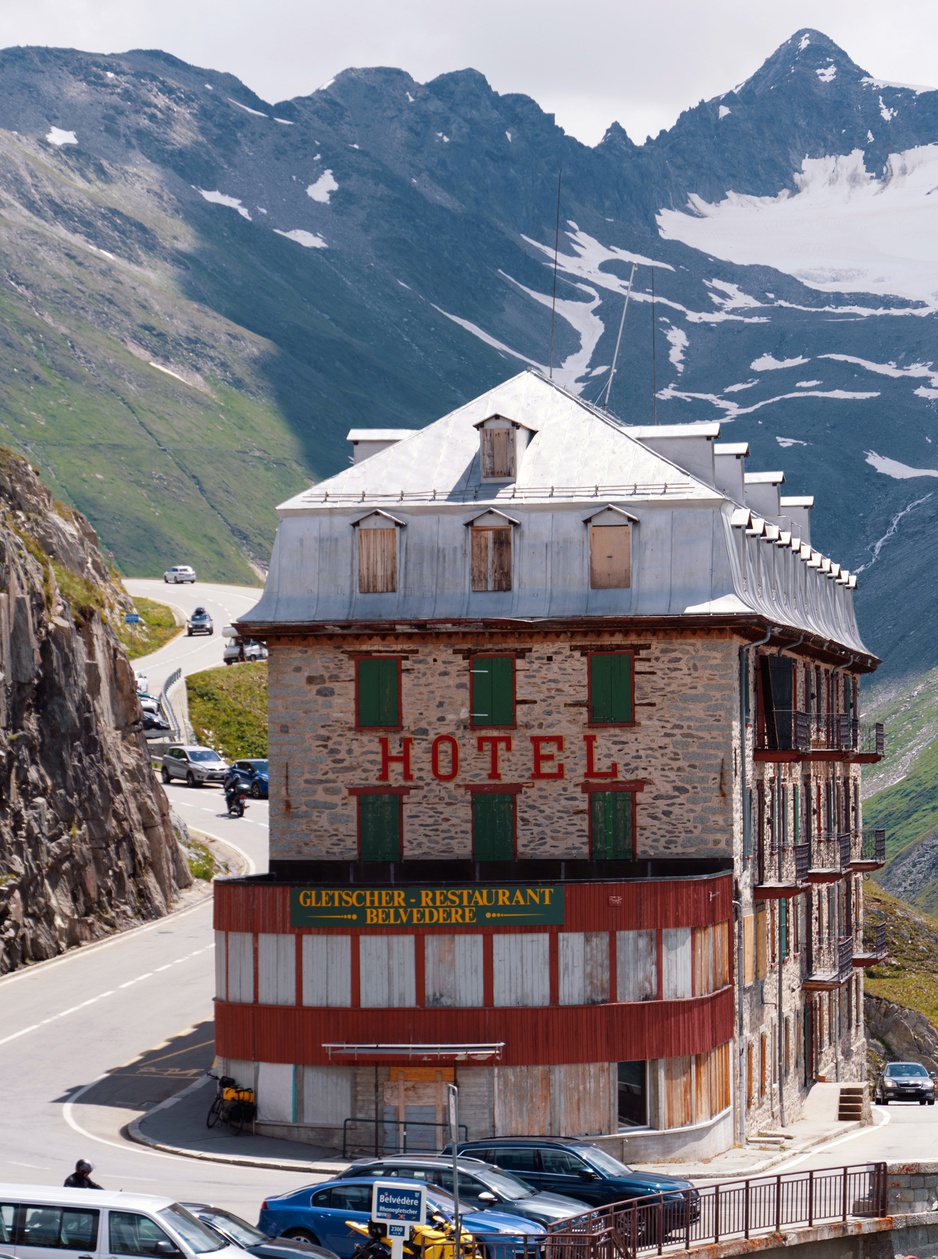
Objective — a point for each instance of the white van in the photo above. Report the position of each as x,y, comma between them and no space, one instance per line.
42,1222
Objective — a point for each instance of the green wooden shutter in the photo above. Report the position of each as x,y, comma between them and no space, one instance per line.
379,827
610,688
377,692
492,691
493,826
612,825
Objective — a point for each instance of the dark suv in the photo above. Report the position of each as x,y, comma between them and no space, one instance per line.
581,1170
481,1185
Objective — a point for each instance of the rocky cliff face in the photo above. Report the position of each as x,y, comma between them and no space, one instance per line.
897,1034
86,844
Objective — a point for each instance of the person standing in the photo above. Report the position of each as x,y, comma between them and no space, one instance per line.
81,1176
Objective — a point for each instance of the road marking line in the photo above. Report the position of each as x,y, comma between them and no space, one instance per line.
829,1145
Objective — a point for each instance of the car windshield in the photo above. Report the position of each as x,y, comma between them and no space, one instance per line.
245,1234
905,1068
603,1162
509,1186
203,754
198,1238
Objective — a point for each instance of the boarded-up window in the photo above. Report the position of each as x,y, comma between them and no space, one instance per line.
377,693
240,966
584,967
493,826
276,969
610,688
379,827
677,1082
675,963
711,958
498,454
612,825
327,970
711,1083
377,560
492,691
387,976
749,949
637,965
521,969
453,970
610,557
491,558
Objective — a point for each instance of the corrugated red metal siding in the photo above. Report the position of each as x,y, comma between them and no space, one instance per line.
649,903
597,1033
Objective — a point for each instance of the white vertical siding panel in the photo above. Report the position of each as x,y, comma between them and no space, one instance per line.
521,969
221,966
276,1092
453,970
388,977
240,966
327,970
328,1095
675,963
276,969
572,961
636,965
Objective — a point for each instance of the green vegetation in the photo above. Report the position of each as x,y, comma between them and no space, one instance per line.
156,628
909,808
228,708
202,862
910,975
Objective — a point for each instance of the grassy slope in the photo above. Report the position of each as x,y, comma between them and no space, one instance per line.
910,976
228,708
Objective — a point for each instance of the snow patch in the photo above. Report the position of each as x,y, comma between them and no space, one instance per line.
221,198
323,188
325,86
284,122
905,87
110,74
807,384
744,384
785,442
723,112
677,339
890,532
582,319
924,392
827,74
730,296
309,240
247,109
160,368
59,137
768,363
803,42
886,113
441,136
842,230
914,370
484,336
869,137
410,99
508,134
898,471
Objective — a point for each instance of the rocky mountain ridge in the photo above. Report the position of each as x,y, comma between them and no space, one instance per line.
201,292
86,841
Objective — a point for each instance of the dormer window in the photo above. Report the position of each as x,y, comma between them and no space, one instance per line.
377,553
610,543
490,551
501,443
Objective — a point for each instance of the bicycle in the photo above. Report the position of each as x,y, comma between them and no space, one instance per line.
231,1104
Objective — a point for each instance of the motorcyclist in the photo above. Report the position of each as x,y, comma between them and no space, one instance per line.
232,787
81,1176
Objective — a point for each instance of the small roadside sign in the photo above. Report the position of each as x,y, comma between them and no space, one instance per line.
131,618
398,1203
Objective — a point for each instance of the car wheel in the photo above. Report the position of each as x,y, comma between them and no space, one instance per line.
931,1101
884,1102
255,792
190,778
164,774
302,1235
921,1101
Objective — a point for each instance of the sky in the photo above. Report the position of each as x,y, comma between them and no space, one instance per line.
637,62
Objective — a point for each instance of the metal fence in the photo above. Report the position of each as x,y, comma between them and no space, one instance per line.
714,1213
394,1136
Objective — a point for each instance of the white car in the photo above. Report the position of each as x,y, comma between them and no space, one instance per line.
178,573
197,765
141,680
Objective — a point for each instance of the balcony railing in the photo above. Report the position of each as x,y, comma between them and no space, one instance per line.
784,874
873,948
830,963
831,736
829,857
870,852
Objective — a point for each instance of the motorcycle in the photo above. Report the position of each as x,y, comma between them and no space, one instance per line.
434,1240
236,800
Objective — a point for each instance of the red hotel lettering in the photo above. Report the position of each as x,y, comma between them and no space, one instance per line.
542,757
591,770
493,742
387,760
444,740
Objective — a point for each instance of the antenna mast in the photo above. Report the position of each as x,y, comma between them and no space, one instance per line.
654,352
615,357
553,304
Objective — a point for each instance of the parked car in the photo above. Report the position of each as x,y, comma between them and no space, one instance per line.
197,765
318,1214
199,623
904,1082
141,680
149,703
240,649
154,723
582,1170
253,776
481,1185
240,1233
179,573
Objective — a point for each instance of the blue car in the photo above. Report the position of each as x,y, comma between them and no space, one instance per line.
254,777
319,1214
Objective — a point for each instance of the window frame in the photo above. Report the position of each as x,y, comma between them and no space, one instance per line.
361,797
590,657
476,532
612,789
398,662
475,724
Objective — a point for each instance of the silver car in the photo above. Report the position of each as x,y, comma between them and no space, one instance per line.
197,765
178,573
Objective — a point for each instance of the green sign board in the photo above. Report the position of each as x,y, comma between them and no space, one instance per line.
478,905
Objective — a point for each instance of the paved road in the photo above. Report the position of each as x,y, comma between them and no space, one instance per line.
903,1132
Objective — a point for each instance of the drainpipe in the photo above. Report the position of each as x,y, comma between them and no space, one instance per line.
737,903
